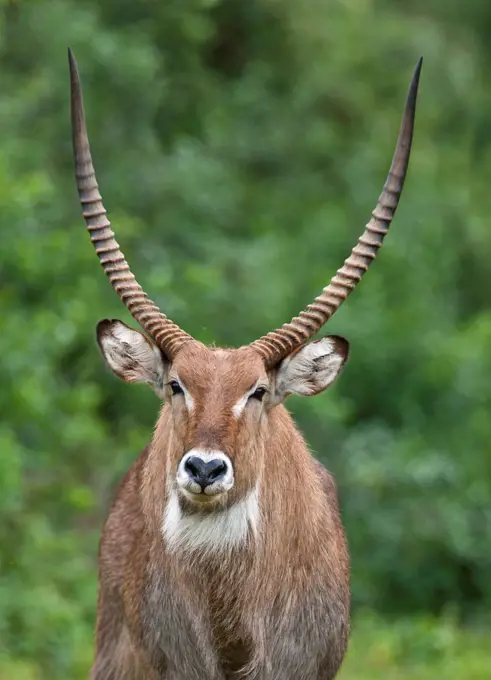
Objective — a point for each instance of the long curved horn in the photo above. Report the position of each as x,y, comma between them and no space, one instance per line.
279,343
166,334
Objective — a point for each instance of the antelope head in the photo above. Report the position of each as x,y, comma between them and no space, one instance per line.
219,402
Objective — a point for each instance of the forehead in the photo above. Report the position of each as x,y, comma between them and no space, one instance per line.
234,370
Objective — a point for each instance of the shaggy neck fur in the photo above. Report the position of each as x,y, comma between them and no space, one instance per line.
216,531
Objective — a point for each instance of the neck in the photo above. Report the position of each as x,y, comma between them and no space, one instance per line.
294,495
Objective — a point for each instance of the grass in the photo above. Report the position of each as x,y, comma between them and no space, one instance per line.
416,649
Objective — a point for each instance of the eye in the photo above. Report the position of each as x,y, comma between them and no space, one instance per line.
175,387
259,393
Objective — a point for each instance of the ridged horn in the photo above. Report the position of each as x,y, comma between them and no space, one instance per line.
279,343
166,334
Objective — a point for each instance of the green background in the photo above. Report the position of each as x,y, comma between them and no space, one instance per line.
240,147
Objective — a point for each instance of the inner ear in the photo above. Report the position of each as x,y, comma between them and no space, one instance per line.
131,355
312,368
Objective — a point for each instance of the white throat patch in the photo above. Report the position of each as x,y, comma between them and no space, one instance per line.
218,531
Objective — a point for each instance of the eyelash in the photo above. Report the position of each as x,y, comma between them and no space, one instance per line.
259,394
175,388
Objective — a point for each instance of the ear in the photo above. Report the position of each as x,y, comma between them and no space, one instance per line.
131,355
312,368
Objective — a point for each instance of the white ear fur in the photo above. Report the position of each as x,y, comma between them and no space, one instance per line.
131,355
312,368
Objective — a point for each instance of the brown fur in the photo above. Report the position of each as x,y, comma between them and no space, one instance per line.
274,608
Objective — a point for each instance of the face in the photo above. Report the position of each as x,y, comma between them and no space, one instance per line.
217,402
217,405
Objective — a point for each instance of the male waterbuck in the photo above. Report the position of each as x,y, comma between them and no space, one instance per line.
223,555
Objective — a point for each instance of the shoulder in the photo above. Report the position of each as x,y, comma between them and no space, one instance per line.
124,522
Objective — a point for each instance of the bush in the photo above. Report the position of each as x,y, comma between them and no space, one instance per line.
240,148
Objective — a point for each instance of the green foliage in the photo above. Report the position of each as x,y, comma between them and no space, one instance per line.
240,148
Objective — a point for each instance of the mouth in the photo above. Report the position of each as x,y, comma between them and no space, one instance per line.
201,498
201,501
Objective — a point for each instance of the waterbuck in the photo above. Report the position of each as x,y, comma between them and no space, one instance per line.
223,556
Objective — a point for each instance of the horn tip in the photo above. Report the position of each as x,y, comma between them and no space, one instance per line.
72,64
77,113
73,67
416,75
417,70
410,108
71,58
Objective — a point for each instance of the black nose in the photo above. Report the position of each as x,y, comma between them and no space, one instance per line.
203,473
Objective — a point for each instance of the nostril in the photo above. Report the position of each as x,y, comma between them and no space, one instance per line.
216,469
195,467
